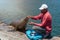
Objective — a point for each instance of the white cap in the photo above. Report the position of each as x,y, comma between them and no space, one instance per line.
44,6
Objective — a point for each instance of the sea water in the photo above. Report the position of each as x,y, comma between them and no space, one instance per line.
11,10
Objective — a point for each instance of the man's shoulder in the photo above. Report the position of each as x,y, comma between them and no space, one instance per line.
48,13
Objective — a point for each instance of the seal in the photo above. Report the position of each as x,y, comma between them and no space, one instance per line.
20,25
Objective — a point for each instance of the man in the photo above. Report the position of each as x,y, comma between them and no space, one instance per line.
46,20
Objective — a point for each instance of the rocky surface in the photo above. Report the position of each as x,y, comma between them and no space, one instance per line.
55,38
12,36
7,33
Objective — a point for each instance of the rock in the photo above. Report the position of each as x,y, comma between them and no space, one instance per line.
12,35
7,34
55,38
5,27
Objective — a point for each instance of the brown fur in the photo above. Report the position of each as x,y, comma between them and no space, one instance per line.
20,25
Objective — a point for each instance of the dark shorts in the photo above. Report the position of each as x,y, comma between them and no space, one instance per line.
39,30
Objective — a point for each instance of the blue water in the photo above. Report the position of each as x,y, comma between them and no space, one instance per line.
16,9
54,6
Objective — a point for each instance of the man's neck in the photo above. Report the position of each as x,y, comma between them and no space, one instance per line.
45,12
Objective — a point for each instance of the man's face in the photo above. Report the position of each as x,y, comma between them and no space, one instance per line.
44,11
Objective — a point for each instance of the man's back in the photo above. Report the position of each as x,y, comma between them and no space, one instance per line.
47,21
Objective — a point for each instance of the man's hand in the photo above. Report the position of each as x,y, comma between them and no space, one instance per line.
31,23
29,16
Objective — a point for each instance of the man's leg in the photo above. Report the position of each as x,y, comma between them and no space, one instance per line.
39,29
48,35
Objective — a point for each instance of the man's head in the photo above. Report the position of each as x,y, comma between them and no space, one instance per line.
43,8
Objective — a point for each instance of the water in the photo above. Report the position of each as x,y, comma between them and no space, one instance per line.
16,9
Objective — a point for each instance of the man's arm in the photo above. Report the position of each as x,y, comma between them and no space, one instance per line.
36,17
43,23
